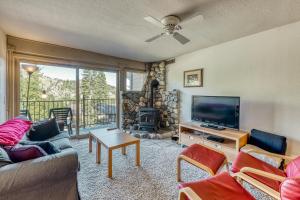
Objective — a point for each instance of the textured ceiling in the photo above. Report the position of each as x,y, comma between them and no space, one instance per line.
117,28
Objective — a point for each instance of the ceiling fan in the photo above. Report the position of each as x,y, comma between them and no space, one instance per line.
171,24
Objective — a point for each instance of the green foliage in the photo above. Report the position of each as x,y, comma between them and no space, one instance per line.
35,86
62,93
93,85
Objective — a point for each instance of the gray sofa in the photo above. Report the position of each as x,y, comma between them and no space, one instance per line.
49,177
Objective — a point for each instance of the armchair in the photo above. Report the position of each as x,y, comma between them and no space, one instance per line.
266,177
260,143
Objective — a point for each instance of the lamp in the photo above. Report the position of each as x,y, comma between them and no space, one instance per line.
44,94
29,69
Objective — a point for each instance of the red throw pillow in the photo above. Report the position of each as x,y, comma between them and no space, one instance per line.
20,153
12,131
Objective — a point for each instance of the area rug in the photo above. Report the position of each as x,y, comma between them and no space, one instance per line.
154,180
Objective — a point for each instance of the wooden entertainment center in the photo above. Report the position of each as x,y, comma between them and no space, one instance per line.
191,133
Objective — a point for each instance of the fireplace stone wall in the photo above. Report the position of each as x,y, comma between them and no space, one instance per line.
167,102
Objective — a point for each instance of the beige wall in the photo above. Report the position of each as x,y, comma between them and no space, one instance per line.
263,69
2,75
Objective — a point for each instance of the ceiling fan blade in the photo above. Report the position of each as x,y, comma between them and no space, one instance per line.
154,21
154,38
180,38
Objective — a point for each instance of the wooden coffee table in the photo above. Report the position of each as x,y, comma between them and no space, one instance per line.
111,140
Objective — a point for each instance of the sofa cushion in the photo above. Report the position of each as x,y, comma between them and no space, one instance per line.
47,146
62,143
12,131
21,153
4,158
268,141
43,130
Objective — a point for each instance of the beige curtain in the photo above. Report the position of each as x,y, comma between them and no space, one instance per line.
12,84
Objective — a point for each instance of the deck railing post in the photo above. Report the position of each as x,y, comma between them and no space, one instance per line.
83,111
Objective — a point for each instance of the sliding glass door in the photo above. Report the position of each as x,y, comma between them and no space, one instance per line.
97,99
52,93
58,91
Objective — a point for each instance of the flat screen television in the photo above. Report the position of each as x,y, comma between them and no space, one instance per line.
222,111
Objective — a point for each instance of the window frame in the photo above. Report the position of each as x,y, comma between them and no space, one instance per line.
134,71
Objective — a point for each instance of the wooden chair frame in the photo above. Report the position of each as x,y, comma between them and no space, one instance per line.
198,164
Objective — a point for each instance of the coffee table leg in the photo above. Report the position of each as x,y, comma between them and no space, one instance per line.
98,154
109,163
137,149
90,143
124,150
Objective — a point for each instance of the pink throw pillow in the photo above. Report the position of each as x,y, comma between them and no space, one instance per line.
12,131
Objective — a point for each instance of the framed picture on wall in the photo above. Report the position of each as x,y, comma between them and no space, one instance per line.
193,78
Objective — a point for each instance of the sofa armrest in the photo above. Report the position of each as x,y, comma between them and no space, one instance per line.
48,169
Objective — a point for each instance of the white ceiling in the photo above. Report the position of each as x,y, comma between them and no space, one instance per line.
117,28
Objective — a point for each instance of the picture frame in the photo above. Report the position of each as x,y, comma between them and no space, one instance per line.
193,78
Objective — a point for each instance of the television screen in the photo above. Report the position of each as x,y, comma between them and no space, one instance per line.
216,110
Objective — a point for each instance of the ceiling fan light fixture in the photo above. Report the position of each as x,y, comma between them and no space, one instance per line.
170,25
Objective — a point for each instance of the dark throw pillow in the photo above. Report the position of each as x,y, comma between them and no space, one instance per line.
43,130
47,146
21,153
4,158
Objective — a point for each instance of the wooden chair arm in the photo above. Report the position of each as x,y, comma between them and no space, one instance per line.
257,184
189,193
289,158
263,173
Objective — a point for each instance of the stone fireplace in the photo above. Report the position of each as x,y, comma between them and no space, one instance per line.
152,112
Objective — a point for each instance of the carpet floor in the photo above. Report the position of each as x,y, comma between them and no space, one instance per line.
154,180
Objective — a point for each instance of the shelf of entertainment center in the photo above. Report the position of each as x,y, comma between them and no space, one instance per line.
190,133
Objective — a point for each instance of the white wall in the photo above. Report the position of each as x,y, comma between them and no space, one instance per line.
263,69
2,75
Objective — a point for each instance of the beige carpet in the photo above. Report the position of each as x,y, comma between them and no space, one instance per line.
154,180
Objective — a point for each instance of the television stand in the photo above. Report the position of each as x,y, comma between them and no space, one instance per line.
215,127
191,133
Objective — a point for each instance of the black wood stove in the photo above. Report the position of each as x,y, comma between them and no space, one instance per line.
149,117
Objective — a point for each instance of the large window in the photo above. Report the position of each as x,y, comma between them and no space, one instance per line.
135,81
82,99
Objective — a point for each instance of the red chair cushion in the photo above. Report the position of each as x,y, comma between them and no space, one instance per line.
290,189
205,156
221,186
293,168
245,160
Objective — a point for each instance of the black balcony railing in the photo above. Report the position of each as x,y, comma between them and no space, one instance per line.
92,111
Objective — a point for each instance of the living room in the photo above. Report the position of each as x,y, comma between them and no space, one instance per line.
106,99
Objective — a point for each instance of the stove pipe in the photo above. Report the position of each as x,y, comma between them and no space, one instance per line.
154,85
